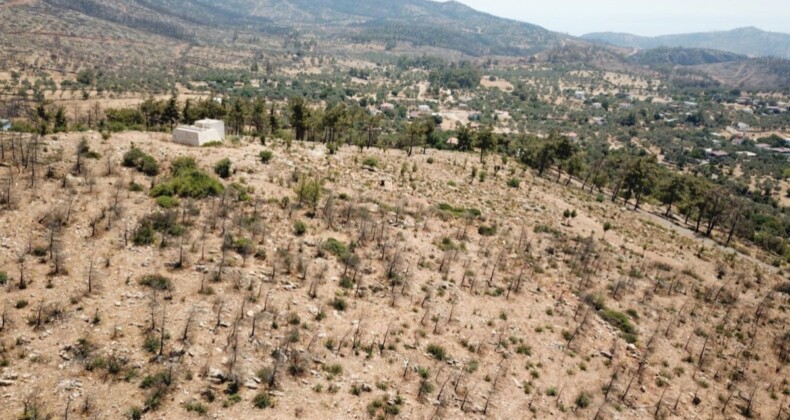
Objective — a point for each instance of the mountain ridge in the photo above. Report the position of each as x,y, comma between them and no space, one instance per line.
749,40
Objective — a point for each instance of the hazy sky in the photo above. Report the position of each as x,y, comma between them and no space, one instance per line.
642,17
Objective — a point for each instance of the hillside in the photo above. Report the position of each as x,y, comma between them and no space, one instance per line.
746,41
405,286
450,25
682,57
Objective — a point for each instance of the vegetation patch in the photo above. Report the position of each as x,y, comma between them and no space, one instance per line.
156,282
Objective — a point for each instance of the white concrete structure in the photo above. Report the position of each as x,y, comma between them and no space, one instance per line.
204,131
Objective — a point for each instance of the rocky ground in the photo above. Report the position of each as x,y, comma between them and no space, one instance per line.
455,295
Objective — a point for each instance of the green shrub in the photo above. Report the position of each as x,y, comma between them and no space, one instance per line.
244,246
263,400
143,235
266,156
157,282
336,248
437,352
3,278
167,202
619,320
135,413
339,304
136,158
513,183
583,400
222,168
189,182
242,193
196,407
486,230
300,228
182,163
214,144
135,187
370,162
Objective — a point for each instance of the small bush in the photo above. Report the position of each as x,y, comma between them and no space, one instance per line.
196,407
157,282
619,320
3,278
135,413
583,400
336,248
222,168
339,304
300,228
135,187
487,230
243,246
167,202
263,400
370,162
513,183
136,158
437,352
189,182
266,156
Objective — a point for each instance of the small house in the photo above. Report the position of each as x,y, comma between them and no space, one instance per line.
5,125
424,109
580,95
386,106
743,126
452,141
597,105
203,132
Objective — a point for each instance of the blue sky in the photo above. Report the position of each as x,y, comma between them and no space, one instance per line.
652,17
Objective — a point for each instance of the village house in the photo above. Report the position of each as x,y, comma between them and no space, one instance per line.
716,154
386,106
5,125
580,95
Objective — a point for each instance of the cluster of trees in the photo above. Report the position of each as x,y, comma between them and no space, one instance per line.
463,75
627,174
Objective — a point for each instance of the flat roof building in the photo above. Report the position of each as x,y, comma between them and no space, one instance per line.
204,131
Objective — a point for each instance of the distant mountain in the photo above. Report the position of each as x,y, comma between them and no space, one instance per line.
450,25
747,41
